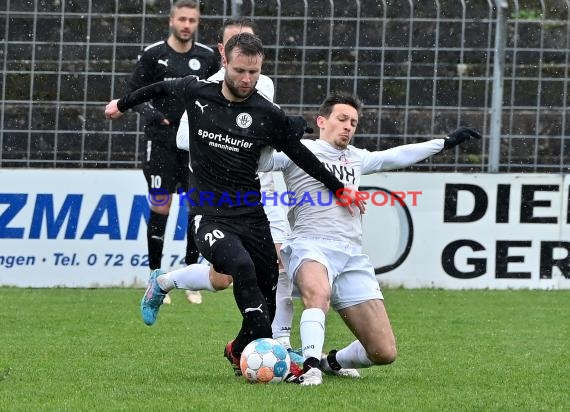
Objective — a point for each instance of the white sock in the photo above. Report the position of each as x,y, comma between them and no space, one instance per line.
192,277
353,356
281,326
312,332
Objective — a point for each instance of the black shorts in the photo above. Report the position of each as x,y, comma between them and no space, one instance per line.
234,235
166,168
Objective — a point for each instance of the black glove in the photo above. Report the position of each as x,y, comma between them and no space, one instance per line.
460,135
296,127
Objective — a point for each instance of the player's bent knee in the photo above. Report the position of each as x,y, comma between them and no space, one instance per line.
316,298
383,355
220,281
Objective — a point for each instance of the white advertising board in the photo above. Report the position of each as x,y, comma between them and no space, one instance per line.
87,228
80,228
470,231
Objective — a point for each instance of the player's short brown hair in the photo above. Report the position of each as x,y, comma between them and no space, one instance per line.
339,98
178,4
248,44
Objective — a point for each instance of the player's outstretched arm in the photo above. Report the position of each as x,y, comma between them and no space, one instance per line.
406,155
116,108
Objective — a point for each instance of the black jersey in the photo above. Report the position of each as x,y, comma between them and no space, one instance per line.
226,140
161,62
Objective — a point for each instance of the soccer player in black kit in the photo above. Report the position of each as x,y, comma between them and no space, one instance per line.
165,166
230,124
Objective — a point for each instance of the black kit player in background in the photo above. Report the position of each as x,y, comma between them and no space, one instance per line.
165,166
230,124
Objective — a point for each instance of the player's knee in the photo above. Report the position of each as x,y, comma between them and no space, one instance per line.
313,298
220,281
383,354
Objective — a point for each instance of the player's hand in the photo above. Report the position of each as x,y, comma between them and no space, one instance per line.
112,111
297,126
459,136
351,198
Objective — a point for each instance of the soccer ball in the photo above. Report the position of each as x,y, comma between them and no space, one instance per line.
265,361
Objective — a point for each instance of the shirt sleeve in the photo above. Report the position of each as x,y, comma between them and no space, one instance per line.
144,94
183,133
399,157
280,161
176,88
266,87
270,160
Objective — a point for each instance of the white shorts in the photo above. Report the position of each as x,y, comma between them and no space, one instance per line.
277,222
350,272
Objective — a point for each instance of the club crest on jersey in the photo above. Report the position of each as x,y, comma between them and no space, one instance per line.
244,120
194,64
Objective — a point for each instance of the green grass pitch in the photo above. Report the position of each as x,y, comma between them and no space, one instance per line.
84,349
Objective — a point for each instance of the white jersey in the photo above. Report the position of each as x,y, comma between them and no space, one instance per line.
267,182
313,206
266,87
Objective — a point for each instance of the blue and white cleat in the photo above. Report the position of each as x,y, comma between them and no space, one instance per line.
296,356
152,298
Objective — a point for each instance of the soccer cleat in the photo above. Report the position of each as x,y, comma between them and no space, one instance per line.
342,372
228,354
296,357
152,298
194,296
312,377
295,372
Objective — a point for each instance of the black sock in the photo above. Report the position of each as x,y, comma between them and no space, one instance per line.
333,363
310,363
155,238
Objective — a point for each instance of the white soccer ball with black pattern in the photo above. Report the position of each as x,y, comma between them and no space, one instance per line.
265,361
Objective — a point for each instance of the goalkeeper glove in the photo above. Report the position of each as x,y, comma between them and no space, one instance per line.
459,136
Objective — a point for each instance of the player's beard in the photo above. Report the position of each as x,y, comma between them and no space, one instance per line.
180,39
341,143
233,89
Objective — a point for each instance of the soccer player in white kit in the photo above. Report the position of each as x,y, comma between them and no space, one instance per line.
323,256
